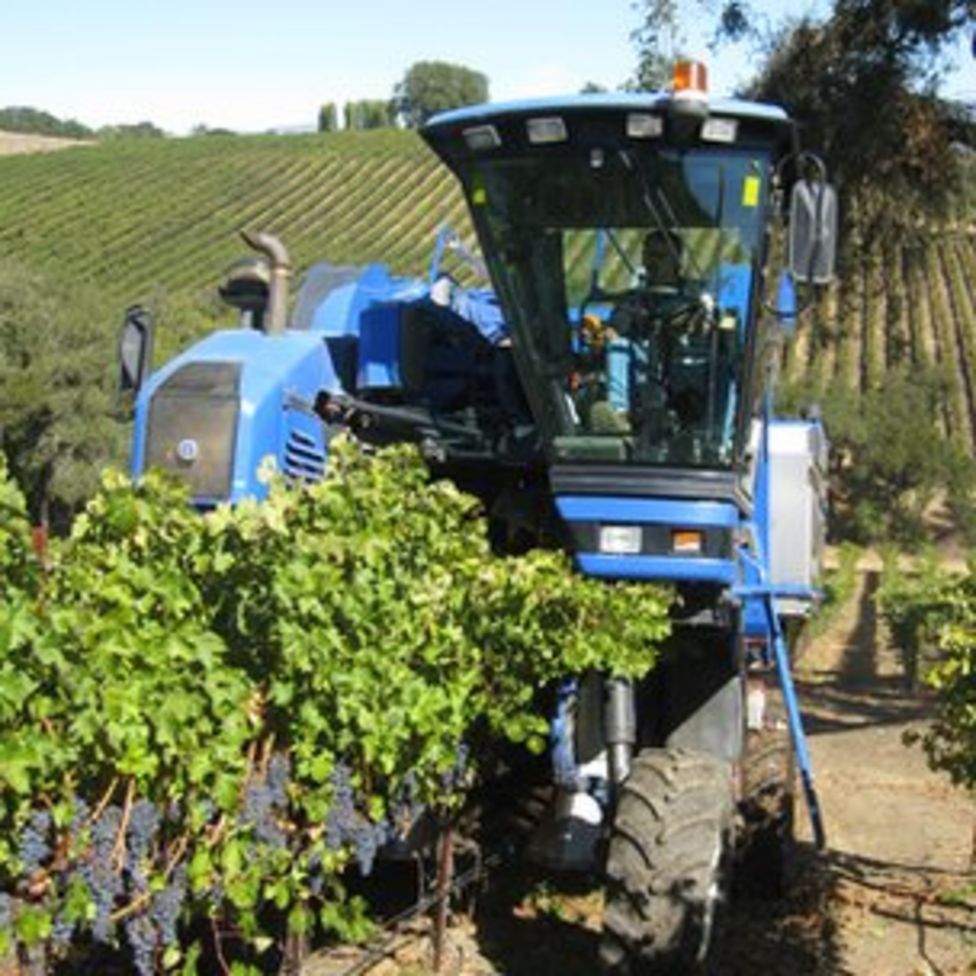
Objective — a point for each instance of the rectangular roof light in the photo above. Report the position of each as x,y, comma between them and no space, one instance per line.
481,137
643,126
545,131
719,130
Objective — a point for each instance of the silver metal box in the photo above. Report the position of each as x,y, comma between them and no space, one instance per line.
798,507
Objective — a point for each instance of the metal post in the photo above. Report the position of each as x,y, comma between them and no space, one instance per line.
795,721
620,728
445,874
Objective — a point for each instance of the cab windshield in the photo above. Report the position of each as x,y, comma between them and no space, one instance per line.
628,277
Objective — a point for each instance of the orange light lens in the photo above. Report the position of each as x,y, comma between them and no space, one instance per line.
686,541
690,76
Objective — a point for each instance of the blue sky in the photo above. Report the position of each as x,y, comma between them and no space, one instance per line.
251,65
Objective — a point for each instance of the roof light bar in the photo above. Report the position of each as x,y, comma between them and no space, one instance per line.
545,131
482,137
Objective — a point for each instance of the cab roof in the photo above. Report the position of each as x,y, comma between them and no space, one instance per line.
598,120
608,101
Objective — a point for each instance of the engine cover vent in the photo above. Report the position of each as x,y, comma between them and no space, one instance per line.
193,427
304,456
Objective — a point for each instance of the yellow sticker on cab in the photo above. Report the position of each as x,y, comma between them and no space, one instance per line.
750,191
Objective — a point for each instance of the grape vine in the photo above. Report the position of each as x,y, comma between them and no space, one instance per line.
932,617
211,717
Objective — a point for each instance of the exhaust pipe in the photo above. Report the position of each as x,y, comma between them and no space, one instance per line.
274,251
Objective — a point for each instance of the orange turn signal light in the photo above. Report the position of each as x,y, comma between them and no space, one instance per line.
686,541
690,78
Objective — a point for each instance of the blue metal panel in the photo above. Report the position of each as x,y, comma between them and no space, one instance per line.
379,348
659,511
625,101
339,315
277,369
677,569
734,287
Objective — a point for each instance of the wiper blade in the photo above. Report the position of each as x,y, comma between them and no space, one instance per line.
661,224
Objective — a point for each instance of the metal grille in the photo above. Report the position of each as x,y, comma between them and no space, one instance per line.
193,427
304,458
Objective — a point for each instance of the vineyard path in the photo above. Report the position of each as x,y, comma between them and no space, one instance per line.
900,836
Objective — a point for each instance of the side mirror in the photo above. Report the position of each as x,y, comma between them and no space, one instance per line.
135,349
813,232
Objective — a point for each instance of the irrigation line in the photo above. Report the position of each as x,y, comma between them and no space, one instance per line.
383,943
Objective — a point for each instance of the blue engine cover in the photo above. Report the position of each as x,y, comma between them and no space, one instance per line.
272,425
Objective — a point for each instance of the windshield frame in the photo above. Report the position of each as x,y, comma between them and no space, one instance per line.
540,321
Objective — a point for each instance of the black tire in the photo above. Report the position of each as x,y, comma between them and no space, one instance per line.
765,845
667,863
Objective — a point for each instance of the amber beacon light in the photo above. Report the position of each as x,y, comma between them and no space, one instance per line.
690,80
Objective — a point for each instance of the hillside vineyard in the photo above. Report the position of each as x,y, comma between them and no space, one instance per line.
147,217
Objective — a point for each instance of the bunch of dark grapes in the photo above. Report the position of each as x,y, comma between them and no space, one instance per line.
346,825
62,931
259,815
367,838
316,876
142,938
279,772
139,836
98,872
34,849
167,905
343,810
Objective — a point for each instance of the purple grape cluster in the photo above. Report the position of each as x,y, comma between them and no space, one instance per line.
266,803
113,878
279,773
140,835
259,815
345,825
167,905
34,849
367,839
142,938
316,877
62,931
104,884
342,813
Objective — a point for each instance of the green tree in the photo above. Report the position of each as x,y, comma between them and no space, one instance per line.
59,422
369,113
888,458
328,117
138,130
863,82
657,38
37,122
430,87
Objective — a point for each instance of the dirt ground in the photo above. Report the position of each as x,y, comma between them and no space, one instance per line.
900,836
893,895
20,142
